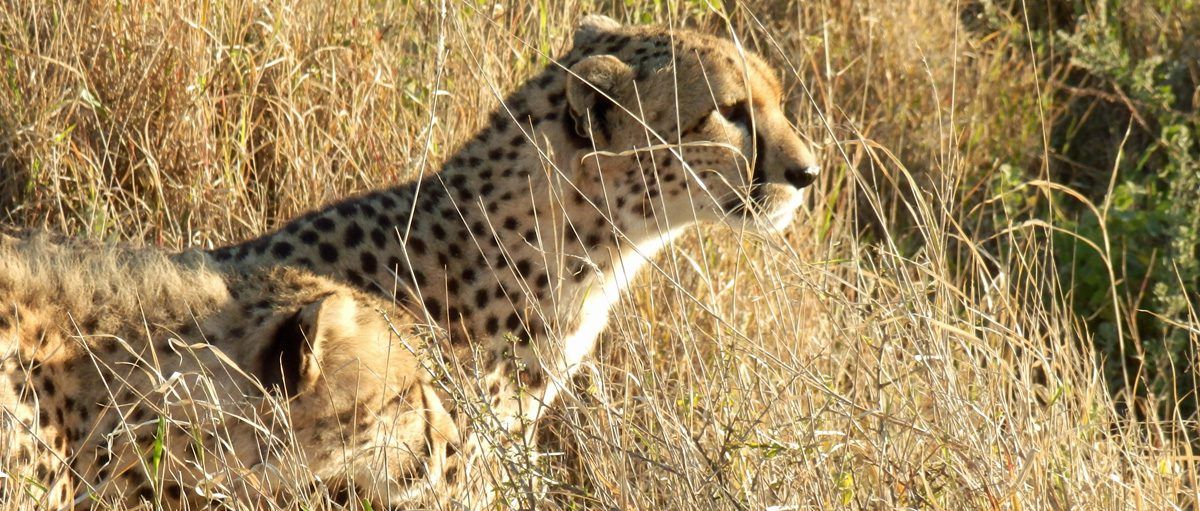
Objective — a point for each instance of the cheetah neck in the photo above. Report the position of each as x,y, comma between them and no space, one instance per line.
511,240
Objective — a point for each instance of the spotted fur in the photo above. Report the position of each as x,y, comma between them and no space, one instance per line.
525,239
127,378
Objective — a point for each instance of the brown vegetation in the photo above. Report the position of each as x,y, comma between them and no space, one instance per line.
908,343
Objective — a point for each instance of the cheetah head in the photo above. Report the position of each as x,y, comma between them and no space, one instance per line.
687,127
357,412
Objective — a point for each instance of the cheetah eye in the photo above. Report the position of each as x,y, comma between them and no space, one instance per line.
738,112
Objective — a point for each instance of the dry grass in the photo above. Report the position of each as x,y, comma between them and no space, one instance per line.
903,345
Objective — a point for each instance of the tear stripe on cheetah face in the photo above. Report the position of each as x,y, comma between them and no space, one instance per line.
106,351
535,226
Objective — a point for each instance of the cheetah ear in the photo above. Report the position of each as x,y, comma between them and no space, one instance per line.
591,27
593,85
290,363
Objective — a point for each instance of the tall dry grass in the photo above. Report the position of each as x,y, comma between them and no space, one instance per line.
905,344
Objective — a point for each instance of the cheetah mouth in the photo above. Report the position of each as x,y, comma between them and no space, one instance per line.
764,205
772,203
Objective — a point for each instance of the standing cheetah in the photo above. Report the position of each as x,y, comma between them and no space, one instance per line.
525,239
126,377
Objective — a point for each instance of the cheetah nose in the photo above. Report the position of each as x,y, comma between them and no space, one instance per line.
801,177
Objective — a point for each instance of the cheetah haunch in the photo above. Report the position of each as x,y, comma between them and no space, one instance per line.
126,377
525,239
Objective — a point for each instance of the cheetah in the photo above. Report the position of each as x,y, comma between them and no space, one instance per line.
520,245
128,378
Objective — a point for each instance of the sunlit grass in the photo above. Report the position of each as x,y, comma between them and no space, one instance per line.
905,344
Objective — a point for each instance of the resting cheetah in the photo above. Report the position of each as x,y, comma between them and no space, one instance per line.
525,239
127,377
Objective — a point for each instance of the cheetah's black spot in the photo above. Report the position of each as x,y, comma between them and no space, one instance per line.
378,237
353,235
324,224
282,249
369,263
347,209
434,307
329,253
493,325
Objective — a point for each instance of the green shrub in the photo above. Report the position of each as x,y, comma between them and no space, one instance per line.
1124,142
